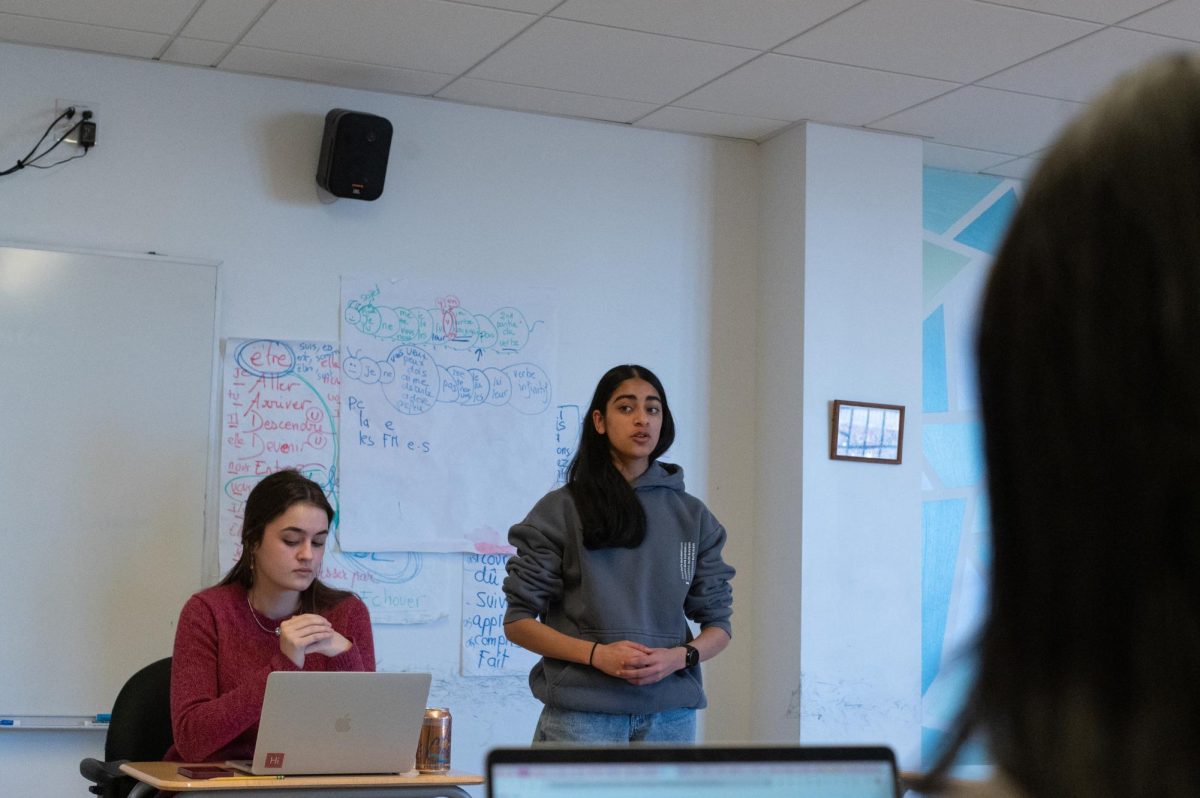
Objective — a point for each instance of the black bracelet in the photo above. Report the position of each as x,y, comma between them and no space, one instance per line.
593,653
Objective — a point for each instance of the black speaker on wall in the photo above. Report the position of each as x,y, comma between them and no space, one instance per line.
354,154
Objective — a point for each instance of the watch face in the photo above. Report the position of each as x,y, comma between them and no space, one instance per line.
693,657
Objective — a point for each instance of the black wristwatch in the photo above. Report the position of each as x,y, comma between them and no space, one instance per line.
693,656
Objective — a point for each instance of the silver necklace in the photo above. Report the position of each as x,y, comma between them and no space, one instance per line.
254,615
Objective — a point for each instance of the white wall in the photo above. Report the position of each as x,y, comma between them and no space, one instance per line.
860,618
648,239
652,241
839,319
780,474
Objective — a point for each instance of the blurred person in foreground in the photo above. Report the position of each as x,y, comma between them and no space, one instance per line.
1088,661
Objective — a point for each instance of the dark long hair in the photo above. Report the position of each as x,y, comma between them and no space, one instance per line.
271,498
1088,680
610,514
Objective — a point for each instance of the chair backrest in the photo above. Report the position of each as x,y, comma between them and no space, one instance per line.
140,728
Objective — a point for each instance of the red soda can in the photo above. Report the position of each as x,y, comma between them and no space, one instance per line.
433,751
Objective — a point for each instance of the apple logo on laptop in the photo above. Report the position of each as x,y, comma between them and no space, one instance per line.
342,724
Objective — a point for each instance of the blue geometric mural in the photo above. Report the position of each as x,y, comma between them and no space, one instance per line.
942,524
965,216
985,233
949,196
935,393
954,452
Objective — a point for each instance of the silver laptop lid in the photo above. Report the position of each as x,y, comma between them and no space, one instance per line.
694,772
340,722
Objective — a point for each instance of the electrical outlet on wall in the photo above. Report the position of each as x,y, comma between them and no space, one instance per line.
66,124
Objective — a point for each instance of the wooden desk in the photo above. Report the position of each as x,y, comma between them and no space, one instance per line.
165,776
954,787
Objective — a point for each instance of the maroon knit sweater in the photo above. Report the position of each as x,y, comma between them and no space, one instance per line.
220,667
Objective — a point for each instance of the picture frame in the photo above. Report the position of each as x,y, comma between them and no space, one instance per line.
867,432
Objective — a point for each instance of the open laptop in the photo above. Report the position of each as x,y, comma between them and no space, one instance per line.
694,772
338,723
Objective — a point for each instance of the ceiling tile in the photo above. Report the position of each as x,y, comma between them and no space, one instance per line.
1080,69
223,20
427,35
548,101
592,59
895,65
957,40
528,6
1106,11
328,70
197,52
761,24
31,30
1180,18
154,16
961,159
986,119
1018,168
711,123
783,87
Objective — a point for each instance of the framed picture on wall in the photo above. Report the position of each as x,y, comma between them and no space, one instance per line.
866,431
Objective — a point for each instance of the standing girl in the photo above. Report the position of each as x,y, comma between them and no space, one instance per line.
269,613
609,569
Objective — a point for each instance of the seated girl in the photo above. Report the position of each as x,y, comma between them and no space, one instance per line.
269,613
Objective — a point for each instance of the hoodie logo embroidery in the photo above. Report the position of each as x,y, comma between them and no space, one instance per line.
687,560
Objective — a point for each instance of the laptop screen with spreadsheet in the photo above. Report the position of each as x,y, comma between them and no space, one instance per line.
693,772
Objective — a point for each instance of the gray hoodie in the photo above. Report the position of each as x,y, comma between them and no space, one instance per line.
606,595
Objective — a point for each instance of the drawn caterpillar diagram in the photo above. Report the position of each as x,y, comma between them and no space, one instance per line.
505,330
413,382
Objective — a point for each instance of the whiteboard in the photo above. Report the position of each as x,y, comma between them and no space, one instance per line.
106,398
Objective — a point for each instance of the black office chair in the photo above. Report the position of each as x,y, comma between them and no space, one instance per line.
139,731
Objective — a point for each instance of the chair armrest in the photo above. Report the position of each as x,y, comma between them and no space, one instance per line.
101,773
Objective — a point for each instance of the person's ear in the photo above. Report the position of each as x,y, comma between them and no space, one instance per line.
598,421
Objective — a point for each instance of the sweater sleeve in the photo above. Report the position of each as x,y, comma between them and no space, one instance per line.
204,720
534,577
710,600
355,626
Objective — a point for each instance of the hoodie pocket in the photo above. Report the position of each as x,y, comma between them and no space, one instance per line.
574,686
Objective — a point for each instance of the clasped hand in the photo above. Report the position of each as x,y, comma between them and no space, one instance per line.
635,663
310,634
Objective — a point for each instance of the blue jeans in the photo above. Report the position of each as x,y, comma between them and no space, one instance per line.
568,726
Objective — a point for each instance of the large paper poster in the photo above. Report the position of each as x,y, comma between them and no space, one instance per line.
486,651
449,415
279,410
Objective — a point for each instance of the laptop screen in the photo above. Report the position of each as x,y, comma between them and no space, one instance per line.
694,772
